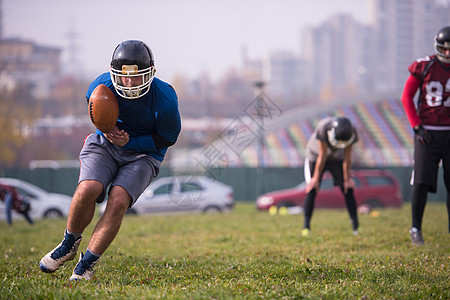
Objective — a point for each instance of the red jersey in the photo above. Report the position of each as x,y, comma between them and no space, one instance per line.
433,79
17,198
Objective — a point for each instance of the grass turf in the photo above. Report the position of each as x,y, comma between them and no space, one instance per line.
245,254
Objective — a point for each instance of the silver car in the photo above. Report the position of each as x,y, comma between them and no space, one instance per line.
43,204
196,194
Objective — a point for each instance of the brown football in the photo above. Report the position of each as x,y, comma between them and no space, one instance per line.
103,108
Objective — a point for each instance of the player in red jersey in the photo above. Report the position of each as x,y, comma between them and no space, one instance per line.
431,124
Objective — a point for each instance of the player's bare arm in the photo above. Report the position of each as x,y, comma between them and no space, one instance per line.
320,163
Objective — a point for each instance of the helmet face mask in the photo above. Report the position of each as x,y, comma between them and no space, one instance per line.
132,69
144,77
442,44
341,134
338,144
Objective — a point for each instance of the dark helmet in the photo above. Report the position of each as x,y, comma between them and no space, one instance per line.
442,43
132,59
341,133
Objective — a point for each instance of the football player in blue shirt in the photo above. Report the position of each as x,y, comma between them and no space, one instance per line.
126,159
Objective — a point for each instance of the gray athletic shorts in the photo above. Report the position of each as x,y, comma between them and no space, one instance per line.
110,165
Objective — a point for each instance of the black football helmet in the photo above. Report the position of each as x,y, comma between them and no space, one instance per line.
442,44
131,59
341,133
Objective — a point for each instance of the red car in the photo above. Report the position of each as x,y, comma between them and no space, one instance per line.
374,188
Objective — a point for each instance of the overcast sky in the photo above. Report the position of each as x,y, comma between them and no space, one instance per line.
186,36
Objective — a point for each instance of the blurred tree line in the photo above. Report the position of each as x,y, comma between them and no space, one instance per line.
23,139
18,114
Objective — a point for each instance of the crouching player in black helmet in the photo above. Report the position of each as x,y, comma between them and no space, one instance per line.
431,124
126,159
330,148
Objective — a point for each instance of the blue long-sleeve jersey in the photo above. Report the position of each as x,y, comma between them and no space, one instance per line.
151,120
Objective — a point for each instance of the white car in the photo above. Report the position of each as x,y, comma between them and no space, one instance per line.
197,194
43,204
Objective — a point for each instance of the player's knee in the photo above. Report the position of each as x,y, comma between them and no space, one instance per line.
89,189
118,200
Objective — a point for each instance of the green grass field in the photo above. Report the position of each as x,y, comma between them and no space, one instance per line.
245,254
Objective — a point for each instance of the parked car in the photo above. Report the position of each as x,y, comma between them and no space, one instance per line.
173,194
43,204
373,188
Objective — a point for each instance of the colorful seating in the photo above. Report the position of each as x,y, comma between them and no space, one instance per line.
385,137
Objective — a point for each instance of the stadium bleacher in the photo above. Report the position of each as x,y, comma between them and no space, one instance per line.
385,137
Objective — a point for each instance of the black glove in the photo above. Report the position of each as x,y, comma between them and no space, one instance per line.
422,135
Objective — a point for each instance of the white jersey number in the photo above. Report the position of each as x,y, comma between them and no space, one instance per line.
435,91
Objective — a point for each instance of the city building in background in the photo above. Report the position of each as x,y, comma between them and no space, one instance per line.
28,63
337,59
361,67
341,57
404,31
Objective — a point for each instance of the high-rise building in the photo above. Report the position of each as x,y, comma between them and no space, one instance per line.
336,52
348,58
28,63
285,73
404,32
